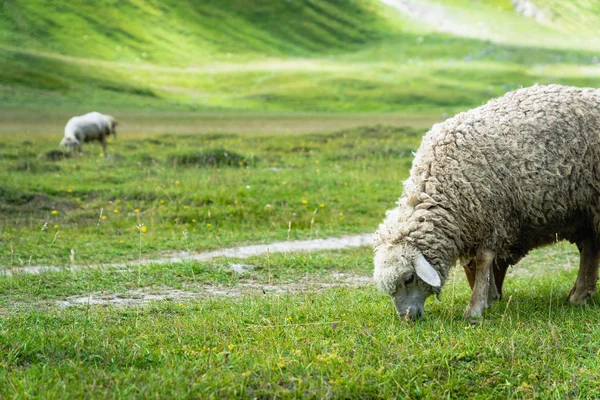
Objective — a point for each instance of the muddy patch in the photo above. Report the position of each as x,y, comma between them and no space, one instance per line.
128,298
56,155
143,296
15,201
34,167
241,268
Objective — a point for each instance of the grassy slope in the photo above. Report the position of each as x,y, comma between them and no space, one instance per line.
301,56
184,32
36,37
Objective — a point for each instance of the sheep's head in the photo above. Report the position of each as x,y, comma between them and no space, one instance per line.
69,143
113,124
403,272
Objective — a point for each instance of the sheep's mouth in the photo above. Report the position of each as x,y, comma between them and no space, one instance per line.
411,315
410,311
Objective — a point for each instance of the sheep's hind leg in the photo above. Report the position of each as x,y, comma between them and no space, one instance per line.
500,268
479,297
585,284
469,268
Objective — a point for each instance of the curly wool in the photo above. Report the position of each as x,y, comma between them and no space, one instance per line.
519,172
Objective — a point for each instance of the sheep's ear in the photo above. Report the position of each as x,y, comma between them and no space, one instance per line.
426,272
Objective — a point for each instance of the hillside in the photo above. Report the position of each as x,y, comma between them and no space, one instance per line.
288,56
175,32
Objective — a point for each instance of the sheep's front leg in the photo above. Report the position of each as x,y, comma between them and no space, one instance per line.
478,302
585,284
496,278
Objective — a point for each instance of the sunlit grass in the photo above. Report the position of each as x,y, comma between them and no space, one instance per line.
296,187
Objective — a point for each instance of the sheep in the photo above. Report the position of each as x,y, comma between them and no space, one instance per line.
86,128
489,185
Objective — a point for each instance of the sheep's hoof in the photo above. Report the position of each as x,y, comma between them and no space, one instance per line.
473,314
579,296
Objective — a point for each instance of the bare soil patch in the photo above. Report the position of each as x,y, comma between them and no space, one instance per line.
144,296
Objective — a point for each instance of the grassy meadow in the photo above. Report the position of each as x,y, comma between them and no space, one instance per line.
221,189
257,122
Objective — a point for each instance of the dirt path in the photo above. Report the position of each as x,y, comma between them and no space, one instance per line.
233,252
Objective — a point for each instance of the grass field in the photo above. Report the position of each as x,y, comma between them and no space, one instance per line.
222,189
277,325
253,123
313,340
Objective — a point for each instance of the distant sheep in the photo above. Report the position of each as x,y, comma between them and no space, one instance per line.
88,128
489,185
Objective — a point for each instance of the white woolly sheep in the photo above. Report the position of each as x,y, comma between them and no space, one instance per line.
87,128
489,185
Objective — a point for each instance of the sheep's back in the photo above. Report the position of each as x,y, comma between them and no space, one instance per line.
528,159
87,127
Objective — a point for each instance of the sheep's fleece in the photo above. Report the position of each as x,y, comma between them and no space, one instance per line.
519,172
89,127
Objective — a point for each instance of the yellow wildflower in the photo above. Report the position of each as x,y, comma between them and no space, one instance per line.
231,346
116,211
304,201
322,205
54,212
137,210
103,217
143,229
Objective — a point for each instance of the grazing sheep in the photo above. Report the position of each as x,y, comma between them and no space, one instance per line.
489,185
87,128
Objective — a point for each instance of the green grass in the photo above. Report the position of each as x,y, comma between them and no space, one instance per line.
179,32
239,125
321,184
340,342
309,56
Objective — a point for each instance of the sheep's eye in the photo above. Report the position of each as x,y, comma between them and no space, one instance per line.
409,280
